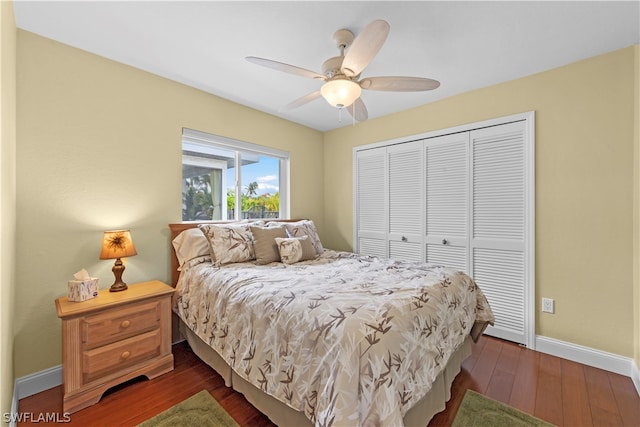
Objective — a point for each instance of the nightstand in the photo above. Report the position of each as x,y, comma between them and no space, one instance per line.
113,338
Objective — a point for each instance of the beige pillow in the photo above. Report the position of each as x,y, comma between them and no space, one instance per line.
264,243
295,249
192,247
229,244
305,228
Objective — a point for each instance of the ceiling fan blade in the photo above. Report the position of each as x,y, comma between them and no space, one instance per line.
302,100
365,46
281,66
399,84
358,110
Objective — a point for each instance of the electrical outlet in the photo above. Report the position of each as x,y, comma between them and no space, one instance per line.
547,305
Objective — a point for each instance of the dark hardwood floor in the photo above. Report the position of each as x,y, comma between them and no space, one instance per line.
559,391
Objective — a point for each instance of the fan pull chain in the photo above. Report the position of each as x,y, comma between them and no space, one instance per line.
353,114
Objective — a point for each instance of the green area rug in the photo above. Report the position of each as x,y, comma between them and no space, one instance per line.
477,410
199,410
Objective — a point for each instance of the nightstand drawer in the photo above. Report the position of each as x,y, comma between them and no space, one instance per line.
112,326
114,357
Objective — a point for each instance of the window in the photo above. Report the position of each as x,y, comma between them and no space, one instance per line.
226,179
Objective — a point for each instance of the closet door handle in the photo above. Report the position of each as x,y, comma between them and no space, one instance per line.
444,241
404,239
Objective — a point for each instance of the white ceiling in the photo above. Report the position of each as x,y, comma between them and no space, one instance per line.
464,45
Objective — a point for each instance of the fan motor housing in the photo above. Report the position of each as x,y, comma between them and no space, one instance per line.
332,66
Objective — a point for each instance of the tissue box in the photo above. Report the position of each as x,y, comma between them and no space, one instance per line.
82,290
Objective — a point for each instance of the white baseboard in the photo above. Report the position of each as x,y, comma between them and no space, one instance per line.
40,381
587,356
636,376
52,377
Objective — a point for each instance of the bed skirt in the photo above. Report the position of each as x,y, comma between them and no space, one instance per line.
284,416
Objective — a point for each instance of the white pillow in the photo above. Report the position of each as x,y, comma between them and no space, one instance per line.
192,247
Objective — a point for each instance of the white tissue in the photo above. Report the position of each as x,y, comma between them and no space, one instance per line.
82,275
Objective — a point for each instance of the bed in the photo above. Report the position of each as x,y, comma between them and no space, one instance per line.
313,336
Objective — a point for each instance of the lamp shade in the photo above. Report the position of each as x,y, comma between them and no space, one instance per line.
341,92
117,244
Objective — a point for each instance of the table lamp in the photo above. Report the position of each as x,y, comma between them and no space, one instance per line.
117,244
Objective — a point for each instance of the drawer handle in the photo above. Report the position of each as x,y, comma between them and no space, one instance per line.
125,324
125,355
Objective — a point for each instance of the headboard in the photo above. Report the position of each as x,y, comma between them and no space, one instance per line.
180,227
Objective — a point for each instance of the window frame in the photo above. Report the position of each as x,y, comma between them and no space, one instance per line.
237,146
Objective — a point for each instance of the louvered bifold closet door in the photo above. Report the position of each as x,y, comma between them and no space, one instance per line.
406,201
498,225
447,206
371,202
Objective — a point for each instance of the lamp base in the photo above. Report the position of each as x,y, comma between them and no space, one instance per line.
118,285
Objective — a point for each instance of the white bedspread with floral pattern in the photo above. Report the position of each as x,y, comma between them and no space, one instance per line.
344,338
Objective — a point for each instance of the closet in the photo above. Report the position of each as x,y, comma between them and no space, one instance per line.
460,197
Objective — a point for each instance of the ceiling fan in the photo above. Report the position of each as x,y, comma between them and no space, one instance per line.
341,74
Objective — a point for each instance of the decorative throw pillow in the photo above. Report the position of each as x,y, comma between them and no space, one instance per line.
192,247
264,243
305,228
295,249
229,244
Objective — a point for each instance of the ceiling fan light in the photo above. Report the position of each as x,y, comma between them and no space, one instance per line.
340,93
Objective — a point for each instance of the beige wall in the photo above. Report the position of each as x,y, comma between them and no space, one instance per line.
99,147
8,200
584,187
